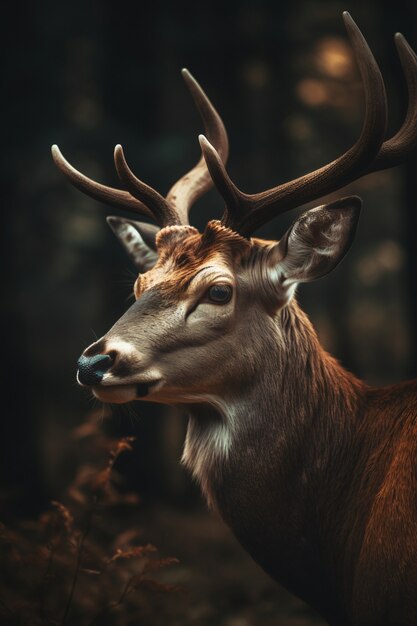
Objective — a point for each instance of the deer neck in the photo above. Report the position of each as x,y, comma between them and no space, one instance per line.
299,399
263,455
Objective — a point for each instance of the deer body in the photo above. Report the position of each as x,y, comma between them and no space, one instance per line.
314,471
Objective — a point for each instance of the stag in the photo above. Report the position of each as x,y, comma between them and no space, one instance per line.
313,470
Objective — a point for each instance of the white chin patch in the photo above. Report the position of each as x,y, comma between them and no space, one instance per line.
116,394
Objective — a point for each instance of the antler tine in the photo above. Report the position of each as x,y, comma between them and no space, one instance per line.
142,198
198,180
247,212
395,150
162,212
234,198
115,197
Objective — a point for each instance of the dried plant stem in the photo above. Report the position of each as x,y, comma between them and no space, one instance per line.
44,583
113,605
78,561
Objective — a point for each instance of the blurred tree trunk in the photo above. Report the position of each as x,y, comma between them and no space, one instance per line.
20,471
410,244
402,16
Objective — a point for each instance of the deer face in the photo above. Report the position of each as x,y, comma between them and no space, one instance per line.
204,312
177,340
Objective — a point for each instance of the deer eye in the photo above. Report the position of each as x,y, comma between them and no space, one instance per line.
220,294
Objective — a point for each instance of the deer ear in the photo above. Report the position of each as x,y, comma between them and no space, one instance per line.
316,242
138,239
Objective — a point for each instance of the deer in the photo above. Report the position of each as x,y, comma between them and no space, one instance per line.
313,470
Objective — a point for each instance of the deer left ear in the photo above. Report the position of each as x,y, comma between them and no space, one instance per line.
138,239
316,242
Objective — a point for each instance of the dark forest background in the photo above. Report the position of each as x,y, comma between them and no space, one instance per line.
87,75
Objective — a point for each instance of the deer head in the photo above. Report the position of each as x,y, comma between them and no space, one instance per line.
208,303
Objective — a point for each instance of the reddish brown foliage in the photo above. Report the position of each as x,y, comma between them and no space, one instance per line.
75,565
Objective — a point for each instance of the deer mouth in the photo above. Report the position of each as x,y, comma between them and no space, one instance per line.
142,389
120,394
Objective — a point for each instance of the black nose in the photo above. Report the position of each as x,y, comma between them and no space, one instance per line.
91,369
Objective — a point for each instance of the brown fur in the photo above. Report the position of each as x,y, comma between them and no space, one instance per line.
314,471
183,250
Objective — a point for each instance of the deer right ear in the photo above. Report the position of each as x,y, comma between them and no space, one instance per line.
138,239
314,245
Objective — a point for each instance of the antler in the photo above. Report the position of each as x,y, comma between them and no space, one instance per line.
247,212
143,199
198,180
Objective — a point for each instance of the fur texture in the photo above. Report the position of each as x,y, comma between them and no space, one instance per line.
313,471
